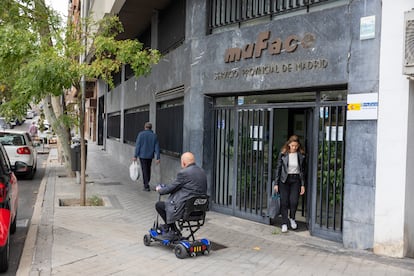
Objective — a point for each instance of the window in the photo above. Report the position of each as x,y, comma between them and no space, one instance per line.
134,121
114,125
170,116
171,27
117,78
227,12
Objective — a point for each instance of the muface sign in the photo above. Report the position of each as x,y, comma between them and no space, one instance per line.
274,46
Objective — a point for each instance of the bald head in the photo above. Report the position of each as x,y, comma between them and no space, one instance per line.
187,158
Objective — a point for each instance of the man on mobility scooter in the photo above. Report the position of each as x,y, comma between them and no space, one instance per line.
186,207
191,181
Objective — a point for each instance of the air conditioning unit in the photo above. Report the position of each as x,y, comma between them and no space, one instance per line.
408,63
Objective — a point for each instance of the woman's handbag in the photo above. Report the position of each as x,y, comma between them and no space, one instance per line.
134,170
274,206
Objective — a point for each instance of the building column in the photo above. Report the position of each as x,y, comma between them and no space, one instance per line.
393,226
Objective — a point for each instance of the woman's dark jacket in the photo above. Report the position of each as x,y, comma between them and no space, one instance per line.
281,172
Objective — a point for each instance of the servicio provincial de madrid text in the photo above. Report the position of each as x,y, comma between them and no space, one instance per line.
273,68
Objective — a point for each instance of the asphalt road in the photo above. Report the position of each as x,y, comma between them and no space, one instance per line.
28,190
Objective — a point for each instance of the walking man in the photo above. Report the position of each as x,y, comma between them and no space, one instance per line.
146,147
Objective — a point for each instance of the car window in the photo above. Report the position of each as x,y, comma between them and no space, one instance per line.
12,139
4,161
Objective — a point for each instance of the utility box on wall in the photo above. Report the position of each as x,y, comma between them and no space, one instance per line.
408,62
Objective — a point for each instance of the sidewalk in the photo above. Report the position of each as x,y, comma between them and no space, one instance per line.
108,240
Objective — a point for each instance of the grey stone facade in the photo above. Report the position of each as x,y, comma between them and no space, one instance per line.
330,53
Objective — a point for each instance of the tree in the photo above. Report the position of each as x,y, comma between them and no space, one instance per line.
40,60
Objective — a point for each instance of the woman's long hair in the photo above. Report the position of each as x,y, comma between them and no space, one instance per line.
293,138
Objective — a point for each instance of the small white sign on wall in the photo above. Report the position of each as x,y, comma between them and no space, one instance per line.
367,27
362,106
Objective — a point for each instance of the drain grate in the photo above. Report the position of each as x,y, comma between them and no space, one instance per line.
217,246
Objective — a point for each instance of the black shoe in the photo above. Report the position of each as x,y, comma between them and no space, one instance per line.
146,189
171,236
164,228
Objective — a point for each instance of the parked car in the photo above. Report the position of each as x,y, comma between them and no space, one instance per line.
8,205
20,147
30,114
18,121
4,124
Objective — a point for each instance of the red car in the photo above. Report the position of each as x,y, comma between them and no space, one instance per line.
8,205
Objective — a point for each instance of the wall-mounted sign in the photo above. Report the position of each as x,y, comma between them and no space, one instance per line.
362,106
367,27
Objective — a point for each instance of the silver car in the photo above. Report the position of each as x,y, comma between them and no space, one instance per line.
19,147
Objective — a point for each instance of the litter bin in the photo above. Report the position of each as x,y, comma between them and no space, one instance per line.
75,154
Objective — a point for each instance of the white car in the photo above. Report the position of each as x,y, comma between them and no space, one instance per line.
19,147
30,114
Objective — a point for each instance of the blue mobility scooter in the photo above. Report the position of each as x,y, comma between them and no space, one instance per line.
184,245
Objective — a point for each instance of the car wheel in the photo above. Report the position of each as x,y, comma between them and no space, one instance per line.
31,174
180,251
13,226
4,256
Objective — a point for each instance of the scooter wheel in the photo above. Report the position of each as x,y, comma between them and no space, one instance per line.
180,251
147,239
207,251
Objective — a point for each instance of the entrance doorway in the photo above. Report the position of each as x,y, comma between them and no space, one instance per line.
288,122
247,141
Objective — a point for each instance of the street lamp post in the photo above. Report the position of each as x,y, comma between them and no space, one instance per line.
84,14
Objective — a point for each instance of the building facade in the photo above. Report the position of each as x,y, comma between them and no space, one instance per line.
237,78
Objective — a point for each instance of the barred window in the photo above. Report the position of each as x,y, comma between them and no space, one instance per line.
114,125
117,79
227,12
170,117
171,26
134,121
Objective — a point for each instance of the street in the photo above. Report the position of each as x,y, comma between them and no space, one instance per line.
28,190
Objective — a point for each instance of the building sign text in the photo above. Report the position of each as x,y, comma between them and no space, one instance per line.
274,47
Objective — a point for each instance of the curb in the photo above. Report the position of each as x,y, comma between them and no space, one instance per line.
26,260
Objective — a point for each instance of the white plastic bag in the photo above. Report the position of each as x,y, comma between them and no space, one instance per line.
134,173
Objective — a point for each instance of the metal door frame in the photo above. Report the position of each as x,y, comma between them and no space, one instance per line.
311,143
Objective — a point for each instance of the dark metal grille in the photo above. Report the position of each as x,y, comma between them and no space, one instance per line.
224,156
133,123
117,78
170,129
171,26
330,174
114,125
227,12
252,171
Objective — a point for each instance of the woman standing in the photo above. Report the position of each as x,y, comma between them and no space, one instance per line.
290,180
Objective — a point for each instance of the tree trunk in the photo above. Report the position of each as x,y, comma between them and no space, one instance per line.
61,130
